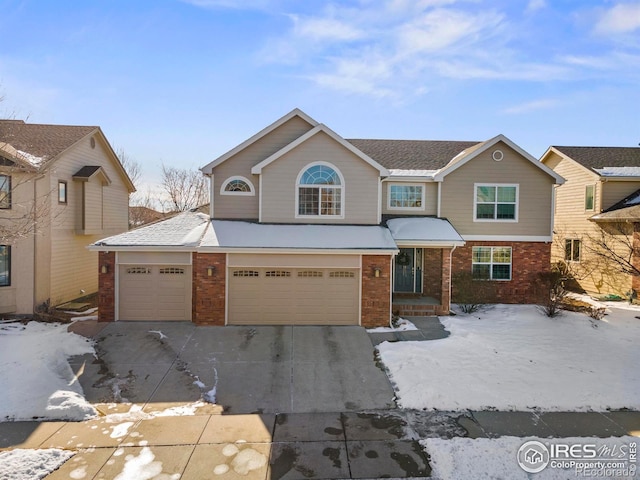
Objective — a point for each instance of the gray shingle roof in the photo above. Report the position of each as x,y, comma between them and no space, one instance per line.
411,154
39,140
601,157
626,209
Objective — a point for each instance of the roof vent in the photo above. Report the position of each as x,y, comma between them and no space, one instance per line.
497,155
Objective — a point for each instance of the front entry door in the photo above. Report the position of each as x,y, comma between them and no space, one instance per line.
408,271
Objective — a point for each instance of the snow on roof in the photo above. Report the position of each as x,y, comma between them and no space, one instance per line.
424,231
31,159
238,234
184,230
619,171
395,172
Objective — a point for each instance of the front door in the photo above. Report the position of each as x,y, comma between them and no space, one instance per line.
408,271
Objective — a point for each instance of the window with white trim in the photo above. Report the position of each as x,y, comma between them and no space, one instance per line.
406,196
491,263
572,250
320,192
496,202
589,197
237,186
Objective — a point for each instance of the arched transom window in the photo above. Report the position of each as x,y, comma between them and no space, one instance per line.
320,191
236,186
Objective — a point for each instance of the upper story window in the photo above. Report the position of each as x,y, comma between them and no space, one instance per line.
589,197
62,191
237,186
5,265
5,191
406,197
320,190
496,202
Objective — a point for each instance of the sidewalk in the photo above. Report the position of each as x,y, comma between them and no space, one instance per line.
274,446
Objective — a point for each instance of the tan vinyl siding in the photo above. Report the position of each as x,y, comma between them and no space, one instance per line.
534,192
73,268
430,199
614,191
572,222
360,183
246,207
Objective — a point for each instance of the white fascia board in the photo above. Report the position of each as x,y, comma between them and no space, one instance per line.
430,244
257,169
395,178
301,251
491,143
139,248
293,113
507,238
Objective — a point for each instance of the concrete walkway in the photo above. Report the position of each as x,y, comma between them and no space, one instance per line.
286,446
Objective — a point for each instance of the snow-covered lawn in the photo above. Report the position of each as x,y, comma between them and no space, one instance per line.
513,357
37,381
496,458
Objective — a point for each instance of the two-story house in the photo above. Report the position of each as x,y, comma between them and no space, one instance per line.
596,216
61,188
306,227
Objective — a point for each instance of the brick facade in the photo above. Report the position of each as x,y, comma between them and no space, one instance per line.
208,302
431,272
527,260
106,286
635,279
376,291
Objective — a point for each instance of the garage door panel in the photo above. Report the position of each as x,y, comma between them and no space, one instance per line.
302,296
154,292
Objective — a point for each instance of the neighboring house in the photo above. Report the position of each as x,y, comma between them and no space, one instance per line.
61,188
596,209
306,227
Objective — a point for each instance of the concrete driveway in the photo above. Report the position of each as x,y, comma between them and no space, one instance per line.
276,369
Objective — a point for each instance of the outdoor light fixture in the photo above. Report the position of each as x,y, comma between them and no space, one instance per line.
211,270
104,269
376,272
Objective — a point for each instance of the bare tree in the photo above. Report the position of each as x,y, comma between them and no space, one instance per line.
142,209
186,189
613,245
131,166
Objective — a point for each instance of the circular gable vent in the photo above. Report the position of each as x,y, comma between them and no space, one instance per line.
497,155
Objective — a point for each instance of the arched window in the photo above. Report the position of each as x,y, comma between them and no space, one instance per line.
236,186
320,190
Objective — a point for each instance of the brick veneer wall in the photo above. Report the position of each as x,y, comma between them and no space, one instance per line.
445,288
107,287
209,291
527,260
376,293
635,260
431,272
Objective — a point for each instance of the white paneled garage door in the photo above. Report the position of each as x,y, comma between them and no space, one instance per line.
287,295
150,291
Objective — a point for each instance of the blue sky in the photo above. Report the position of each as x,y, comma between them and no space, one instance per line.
181,82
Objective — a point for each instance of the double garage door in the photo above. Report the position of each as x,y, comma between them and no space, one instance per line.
301,296
261,289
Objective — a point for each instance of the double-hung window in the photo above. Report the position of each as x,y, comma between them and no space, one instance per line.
406,197
5,265
5,192
589,197
572,250
320,191
491,263
496,202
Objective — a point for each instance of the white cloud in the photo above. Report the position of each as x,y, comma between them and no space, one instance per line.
325,29
622,18
535,5
535,105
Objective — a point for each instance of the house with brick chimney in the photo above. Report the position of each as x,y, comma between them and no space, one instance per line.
307,227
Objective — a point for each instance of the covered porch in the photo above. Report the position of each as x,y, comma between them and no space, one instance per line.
422,268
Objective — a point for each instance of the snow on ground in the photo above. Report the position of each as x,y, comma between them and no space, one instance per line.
513,357
22,464
403,325
496,458
37,381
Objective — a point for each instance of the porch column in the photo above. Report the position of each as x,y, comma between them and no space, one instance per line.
445,297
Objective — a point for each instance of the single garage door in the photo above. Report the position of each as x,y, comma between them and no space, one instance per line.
154,292
300,296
